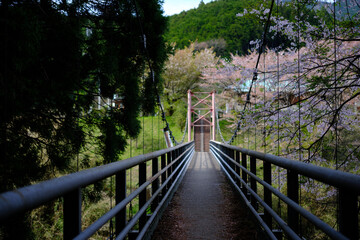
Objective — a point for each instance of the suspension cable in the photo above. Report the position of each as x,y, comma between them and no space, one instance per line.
185,130
336,121
256,122
255,73
264,129
143,122
278,103
336,99
131,187
299,101
218,127
158,117
298,78
143,36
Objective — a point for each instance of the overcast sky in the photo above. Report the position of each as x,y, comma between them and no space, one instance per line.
176,6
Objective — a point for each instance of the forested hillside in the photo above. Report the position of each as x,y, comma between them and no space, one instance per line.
217,21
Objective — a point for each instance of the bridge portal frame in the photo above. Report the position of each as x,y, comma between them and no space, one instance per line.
210,110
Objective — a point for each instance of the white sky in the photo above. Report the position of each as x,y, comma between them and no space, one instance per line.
176,6
171,7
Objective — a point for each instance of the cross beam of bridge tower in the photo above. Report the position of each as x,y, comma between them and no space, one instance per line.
201,104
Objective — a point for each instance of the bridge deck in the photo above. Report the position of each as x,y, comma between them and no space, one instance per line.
205,207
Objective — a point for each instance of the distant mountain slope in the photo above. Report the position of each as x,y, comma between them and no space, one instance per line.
215,20
218,20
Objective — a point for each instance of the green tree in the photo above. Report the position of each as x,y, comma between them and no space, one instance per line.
183,70
55,57
214,23
221,20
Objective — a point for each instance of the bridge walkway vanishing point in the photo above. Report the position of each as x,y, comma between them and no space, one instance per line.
205,206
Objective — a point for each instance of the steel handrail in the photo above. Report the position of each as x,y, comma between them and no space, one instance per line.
311,217
141,211
31,197
348,185
329,176
89,231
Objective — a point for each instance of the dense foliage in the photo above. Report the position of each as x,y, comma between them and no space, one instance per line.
56,57
219,21
215,20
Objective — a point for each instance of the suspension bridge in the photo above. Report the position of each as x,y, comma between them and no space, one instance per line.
195,188
200,198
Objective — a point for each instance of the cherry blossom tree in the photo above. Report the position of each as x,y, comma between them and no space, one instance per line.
183,70
303,102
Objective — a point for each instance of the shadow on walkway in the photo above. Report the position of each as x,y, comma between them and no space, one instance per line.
205,206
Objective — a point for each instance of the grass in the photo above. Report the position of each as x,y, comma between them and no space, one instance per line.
151,137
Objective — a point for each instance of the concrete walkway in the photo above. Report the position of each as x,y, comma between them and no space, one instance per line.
205,207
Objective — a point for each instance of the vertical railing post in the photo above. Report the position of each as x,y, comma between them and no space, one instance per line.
228,153
173,157
237,169
267,192
178,155
231,155
163,175
155,183
293,194
181,150
120,194
169,171
142,195
348,214
232,164
253,183
72,214
243,173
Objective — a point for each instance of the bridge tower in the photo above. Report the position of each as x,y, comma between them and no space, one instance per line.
204,118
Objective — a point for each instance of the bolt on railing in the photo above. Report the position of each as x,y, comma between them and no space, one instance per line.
245,180
163,183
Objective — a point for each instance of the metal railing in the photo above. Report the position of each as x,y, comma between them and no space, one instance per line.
163,183
240,166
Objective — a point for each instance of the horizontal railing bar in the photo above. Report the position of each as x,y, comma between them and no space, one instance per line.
33,196
247,202
329,176
277,218
141,211
89,231
183,169
312,218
